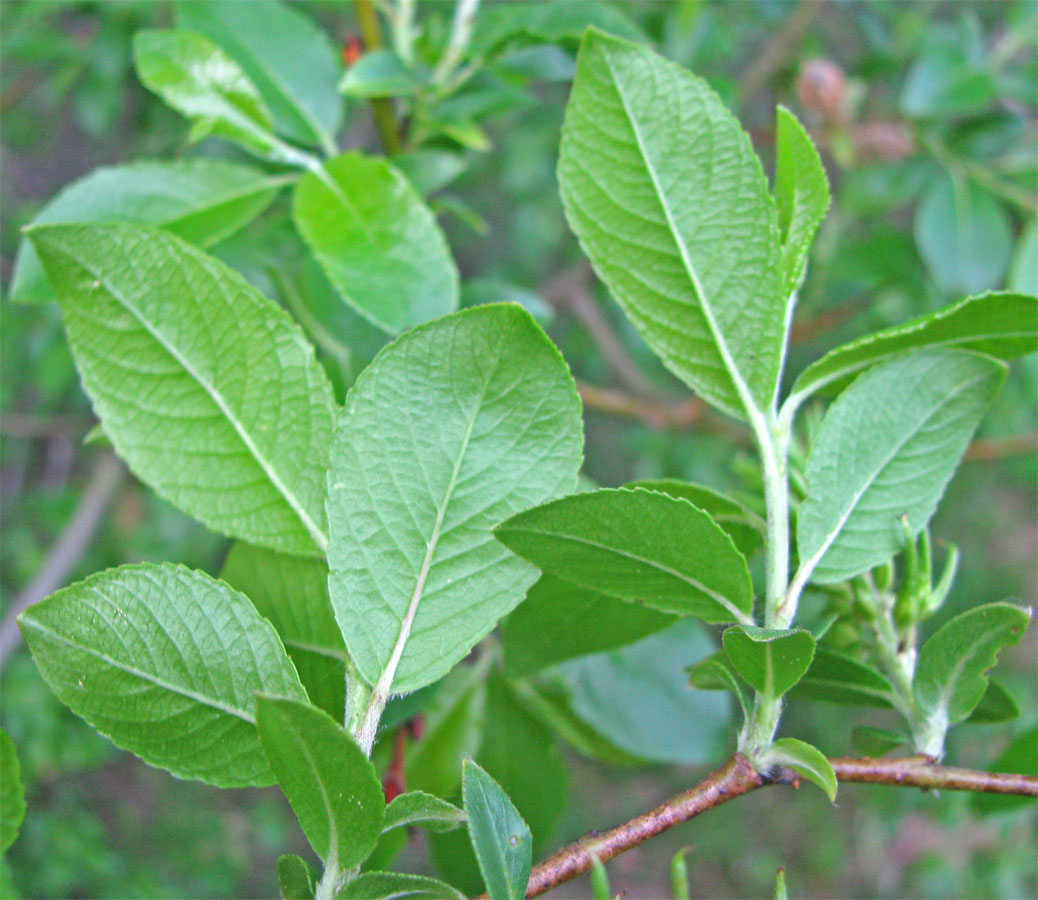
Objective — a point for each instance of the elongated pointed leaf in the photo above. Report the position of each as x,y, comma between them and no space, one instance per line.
455,426
424,810
377,242
837,678
559,620
330,783
663,189
770,660
200,200
12,793
292,593
886,448
166,662
807,761
207,389
637,545
295,879
801,193
284,54
499,835
198,79
951,674
1001,325
397,886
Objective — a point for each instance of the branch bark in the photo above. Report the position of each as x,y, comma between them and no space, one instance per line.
737,777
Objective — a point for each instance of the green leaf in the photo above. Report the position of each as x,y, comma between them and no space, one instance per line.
284,54
295,878
166,662
428,169
950,676
12,793
716,673
199,80
886,448
770,660
639,699
200,200
377,242
1001,325
835,677
380,73
807,761
477,291
780,885
455,426
964,236
499,835
1023,273
397,886
670,203
997,705
206,388
599,881
510,24
330,783
679,874
877,741
740,524
292,593
425,810
559,621
640,546
1021,756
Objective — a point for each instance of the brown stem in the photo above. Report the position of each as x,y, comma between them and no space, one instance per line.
737,777
381,107
655,414
989,449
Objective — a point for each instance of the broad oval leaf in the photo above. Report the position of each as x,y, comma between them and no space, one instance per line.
455,426
950,676
886,448
285,55
12,793
670,203
206,388
500,837
397,886
835,677
291,592
424,810
770,660
199,80
640,546
377,242
559,620
166,662
807,761
330,783
1004,325
200,200
295,878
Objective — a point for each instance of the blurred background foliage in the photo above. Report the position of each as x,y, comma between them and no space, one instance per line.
925,114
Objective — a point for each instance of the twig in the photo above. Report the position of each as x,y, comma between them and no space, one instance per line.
777,49
26,425
105,478
990,449
381,107
737,777
655,414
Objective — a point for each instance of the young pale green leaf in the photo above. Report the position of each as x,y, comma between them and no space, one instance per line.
284,54
200,200
807,761
997,705
397,886
377,242
295,878
330,783
166,662
640,546
198,79
742,526
1020,756
12,793
877,741
780,885
835,677
455,426
205,387
769,660
801,194
429,169
950,676
716,673
500,837
380,73
679,887
886,448
424,810
292,593
600,889
559,620
670,203
1001,325
504,25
